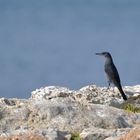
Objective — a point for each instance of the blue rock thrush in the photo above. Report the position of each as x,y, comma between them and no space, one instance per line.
112,73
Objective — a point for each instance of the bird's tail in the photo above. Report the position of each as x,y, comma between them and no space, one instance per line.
122,92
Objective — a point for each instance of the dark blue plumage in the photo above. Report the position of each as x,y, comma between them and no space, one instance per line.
112,73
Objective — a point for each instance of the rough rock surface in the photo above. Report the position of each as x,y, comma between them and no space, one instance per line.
53,113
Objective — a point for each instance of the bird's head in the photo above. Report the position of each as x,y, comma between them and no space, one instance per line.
105,54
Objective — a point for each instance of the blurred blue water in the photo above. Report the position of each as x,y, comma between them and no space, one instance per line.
51,42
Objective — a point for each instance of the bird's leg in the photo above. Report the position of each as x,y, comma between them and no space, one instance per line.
108,85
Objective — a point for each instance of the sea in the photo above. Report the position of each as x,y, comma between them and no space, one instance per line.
53,43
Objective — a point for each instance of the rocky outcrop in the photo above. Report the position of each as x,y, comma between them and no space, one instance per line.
53,113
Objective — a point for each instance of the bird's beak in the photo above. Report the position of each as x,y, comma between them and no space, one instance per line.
98,53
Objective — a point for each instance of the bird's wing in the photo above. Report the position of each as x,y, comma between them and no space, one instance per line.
112,73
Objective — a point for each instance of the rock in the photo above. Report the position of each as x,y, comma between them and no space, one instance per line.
112,138
50,92
103,134
28,136
132,135
56,112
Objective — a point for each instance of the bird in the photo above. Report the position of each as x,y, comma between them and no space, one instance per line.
112,73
